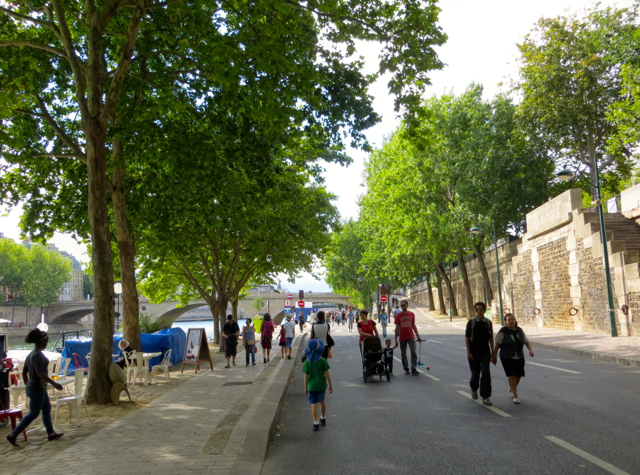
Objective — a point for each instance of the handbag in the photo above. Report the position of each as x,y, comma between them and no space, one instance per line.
251,342
330,341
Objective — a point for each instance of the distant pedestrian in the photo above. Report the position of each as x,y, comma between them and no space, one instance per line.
319,331
230,333
266,336
249,341
282,341
407,333
510,340
290,333
384,319
316,377
350,322
388,354
396,311
301,320
35,375
479,341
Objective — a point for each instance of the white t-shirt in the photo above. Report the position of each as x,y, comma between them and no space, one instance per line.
289,328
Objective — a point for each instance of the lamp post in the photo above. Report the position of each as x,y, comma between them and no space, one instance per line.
566,175
117,288
477,230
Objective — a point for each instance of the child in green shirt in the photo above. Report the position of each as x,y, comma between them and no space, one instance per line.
316,376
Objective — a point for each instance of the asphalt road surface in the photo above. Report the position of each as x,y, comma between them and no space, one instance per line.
578,416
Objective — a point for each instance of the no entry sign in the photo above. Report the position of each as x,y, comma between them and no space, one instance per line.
383,298
290,296
301,304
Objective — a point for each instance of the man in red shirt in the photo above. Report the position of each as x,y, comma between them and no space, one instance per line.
407,333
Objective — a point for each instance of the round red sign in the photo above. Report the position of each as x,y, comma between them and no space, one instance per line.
383,298
301,304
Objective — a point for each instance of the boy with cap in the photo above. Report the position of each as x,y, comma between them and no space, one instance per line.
316,376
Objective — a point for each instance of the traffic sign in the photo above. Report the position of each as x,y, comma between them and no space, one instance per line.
287,303
290,296
301,304
383,298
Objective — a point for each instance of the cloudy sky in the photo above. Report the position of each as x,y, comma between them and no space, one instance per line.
483,35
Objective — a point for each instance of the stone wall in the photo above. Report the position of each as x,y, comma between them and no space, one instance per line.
554,276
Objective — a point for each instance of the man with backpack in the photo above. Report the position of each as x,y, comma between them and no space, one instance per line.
479,341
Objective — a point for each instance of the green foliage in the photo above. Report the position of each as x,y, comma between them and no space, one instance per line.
88,284
258,304
147,325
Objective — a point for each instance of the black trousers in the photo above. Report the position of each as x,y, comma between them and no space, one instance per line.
481,373
389,362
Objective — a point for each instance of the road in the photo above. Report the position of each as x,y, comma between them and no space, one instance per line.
578,416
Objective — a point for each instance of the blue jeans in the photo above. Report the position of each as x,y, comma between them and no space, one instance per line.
38,401
249,349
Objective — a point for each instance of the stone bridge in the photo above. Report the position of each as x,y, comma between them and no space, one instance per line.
73,311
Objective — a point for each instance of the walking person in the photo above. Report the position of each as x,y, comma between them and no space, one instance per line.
266,336
230,333
316,377
396,311
320,331
407,333
290,333
249,341
510,340
282,342
366,327
479,341
350,322
301,320
35,374
384,319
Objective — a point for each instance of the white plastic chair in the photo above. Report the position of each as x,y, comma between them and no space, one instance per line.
129,363
74,402
64,379
163,366
140,368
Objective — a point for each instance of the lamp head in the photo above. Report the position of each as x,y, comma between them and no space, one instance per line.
565,175
117,287
476,230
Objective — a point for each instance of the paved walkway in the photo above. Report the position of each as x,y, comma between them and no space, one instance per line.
623,350
198,427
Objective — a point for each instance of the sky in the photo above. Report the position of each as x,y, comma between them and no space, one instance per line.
482,48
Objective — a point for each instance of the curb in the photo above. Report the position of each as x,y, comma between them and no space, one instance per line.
588,354
260,427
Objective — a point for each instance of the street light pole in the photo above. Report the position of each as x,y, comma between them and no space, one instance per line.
566,175
477,230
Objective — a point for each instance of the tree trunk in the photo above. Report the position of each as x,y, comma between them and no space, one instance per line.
98,386
127,251
465,280
452,298
221,312
234,308
485,274
441,306
432,305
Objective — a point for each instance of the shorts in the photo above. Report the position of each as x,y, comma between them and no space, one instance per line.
289,342
513,367
316,396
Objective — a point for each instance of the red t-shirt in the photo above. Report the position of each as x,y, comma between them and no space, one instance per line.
406,321
368,328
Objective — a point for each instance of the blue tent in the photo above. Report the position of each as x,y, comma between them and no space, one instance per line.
169,338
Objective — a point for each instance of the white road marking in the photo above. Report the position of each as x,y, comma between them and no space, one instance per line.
555,367
491,408
591,458
434,341
419,369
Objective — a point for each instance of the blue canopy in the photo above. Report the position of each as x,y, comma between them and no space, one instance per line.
169,338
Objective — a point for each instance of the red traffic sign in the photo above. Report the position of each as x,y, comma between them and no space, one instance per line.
290,296
301,304
383,298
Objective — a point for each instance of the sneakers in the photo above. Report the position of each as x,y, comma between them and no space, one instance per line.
264,360
414,371
55,436
391,373
406,371
474,394
254,363
516,400
234,363
487,402
227,366
323,422
316,427
12,440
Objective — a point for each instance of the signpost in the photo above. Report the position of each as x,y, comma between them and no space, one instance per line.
196,349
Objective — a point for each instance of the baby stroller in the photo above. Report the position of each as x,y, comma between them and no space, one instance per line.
372,359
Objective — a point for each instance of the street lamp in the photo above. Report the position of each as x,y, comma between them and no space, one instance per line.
566,175
117,288
477,230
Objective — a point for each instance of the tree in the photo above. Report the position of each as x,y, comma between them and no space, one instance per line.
568,83
44,275
88,285
13,259
69,66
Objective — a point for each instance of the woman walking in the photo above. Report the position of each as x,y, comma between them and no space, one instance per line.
249,340
510,340
366,327
319,331
266,337
35,375
230,333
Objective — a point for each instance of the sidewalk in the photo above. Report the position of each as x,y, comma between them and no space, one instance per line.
621,350
218,422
